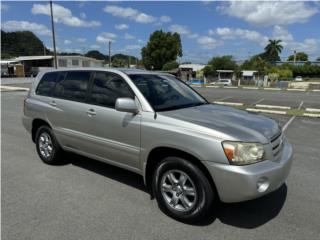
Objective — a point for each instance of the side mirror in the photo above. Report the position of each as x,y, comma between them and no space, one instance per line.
126,105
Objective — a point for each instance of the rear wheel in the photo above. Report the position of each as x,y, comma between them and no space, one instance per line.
182,190
47,146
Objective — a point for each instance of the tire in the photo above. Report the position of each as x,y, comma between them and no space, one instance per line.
199,206
47,146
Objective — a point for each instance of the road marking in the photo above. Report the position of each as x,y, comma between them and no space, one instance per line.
266,111
212,86
229,87
224,98
300,105
11,88
272,106
288,123
296,89
316,90
313,109
228,103
259,101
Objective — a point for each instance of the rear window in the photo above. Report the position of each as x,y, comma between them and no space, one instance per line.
47,83
74,86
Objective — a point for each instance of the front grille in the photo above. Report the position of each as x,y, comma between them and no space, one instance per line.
277,143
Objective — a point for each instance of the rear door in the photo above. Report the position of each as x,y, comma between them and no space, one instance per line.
113,135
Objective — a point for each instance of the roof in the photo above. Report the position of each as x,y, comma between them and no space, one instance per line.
195,67
248,73
7,61
79,57
30,58
225,71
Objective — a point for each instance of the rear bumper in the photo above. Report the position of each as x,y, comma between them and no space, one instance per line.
241,183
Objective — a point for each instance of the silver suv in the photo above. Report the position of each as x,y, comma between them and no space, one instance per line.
190,152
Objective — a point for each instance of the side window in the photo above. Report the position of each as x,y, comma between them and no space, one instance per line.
74,86
47,83
107,87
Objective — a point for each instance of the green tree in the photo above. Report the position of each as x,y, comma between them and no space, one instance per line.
170,65
318,59
272,50
300,56
24,43
96,54
162,47
220,63
256,63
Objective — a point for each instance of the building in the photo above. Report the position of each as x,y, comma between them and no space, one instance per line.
188,71
33,64
226,75
298,63
249,75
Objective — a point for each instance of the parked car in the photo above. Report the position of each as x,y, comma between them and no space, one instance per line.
223,82
190,152
298,79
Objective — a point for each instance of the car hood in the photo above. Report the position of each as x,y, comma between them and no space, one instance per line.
238,124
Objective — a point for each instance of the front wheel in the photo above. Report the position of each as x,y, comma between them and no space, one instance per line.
182,190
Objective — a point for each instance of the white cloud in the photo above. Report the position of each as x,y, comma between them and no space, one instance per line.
140,41
121,26
208,42
4,7
67,41
129,36
231,33
165,19
132,47
106,37
26,26
94,46
81,40
83,15
129,13
182,30
268,13
63,15
77,50
283,34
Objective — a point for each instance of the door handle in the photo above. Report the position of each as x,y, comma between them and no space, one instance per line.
91,112
53,103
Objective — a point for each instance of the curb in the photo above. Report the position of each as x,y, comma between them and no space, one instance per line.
272,106
10,89
257,88
266,111
298,90
316,115
312,109
228,103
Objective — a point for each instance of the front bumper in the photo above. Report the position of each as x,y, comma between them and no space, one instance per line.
241,183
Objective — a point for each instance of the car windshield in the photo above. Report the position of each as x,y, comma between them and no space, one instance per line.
165,92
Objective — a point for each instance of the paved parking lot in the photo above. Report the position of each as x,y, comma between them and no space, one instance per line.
268,97
86,199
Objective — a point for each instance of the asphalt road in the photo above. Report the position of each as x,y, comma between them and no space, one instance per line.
86,199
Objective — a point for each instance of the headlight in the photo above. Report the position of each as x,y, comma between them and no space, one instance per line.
240,153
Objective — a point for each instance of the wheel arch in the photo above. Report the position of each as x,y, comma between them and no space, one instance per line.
36,124
158,153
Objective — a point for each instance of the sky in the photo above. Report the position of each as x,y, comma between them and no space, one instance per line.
207,29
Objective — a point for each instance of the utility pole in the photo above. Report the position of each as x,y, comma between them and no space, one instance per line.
109,54
53,38
294,57
44,50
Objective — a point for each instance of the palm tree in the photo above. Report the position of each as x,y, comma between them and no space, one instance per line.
273,49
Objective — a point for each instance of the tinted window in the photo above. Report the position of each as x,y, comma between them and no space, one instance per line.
74,86
107,87
166,93
47,84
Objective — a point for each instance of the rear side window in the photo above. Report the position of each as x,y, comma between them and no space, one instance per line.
74,86
107,87
47,83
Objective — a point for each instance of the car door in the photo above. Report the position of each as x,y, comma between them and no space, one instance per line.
114,135
68,110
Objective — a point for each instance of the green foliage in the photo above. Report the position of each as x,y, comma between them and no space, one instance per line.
25,43
220,63
170,65
281,72
272,50
300,56
162,47
256,63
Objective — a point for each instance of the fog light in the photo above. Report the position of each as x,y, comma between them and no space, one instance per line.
263,184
